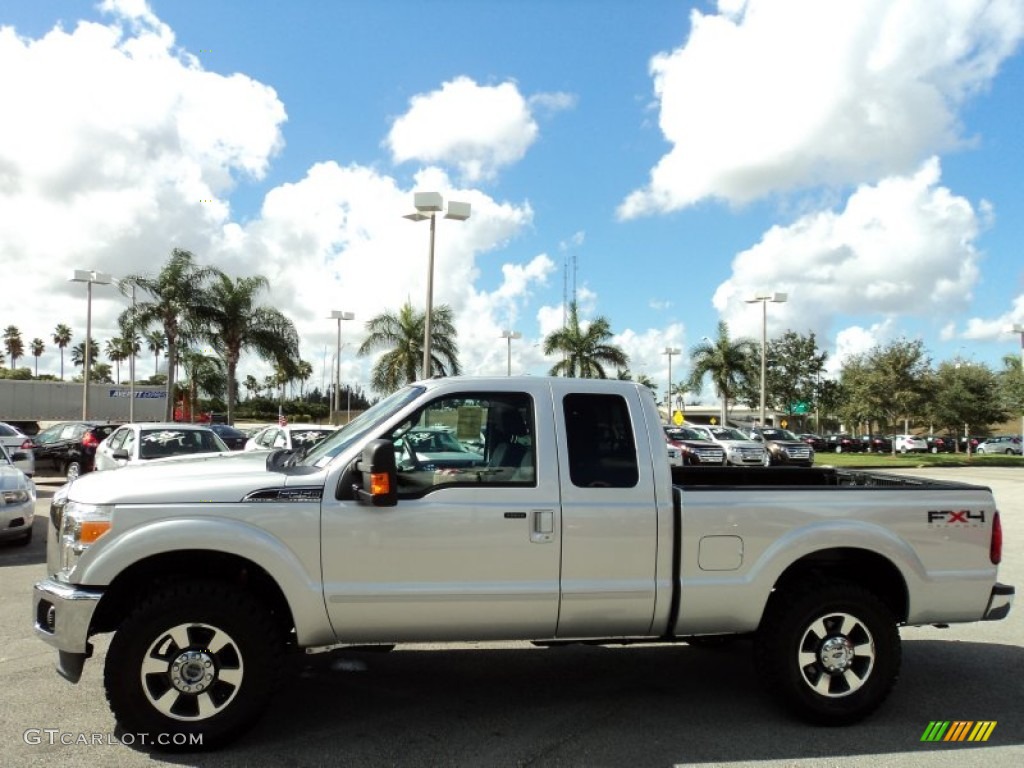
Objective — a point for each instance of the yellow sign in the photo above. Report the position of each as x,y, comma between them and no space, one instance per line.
677,418
783,423
714,420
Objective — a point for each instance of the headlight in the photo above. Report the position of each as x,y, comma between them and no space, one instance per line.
81,525
17,497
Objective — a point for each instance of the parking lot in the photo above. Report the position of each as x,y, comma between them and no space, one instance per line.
512,704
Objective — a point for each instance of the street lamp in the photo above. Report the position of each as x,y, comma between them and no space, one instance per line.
509,335
427,205
668,396
88,276
339,316
764,298
1019,329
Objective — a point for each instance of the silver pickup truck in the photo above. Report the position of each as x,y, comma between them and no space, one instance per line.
551,515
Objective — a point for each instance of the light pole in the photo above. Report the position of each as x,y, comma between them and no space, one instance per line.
668,397
1019,329
427,205
764,298
339,316
88,276
509,335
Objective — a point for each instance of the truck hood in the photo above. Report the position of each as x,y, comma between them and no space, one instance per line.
216,478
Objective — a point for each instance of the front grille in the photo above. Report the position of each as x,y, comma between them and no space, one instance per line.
710,456
798,454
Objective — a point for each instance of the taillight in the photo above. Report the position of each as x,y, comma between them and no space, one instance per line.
89,440
995,549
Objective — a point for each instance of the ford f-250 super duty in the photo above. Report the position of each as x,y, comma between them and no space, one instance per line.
553,516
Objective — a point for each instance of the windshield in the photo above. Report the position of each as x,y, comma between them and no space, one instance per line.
727,433
365,422
778,434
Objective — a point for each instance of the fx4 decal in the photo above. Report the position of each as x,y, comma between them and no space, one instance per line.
959,516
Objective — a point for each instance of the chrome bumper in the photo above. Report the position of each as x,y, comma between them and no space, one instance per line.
999,602
62,617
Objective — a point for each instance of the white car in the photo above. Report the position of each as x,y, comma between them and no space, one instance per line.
133,444
292,436
739,449
19,446
17,501
909,444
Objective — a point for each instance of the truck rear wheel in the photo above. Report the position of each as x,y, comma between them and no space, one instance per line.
832,652
193,667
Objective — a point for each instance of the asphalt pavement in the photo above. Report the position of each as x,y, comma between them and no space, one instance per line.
511,704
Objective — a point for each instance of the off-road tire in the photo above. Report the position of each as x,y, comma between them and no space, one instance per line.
838,625
209,636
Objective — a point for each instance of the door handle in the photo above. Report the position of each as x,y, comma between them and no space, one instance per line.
542,529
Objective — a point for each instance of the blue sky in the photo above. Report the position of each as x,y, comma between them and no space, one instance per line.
865,158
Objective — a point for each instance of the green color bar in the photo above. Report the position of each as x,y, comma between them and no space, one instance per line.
935,731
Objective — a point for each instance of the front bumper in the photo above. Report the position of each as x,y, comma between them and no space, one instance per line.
999,602
63,616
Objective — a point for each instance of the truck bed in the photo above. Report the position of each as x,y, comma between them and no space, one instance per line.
799,477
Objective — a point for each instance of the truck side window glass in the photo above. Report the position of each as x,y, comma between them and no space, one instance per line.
600,444
472,438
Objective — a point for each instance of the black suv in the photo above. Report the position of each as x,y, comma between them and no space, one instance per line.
69,447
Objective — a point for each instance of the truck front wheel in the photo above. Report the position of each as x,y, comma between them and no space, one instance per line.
832,653
193,666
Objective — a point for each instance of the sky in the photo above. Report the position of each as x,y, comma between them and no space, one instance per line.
660,162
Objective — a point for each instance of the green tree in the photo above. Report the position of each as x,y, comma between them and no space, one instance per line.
793,366
965,395
252,385
401,337
303,372
62,337
118,349
728,362
13,344
586,349
1011,384
157,343
178,297
234,322
37,347
203,373
898,381
78,353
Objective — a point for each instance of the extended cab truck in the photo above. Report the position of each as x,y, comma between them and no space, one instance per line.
571,526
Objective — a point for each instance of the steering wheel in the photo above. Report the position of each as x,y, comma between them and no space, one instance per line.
409,461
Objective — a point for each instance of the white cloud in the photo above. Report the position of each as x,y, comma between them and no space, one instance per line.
902,247
770,96
477,129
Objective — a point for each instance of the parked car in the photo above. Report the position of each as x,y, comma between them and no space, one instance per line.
1005,444
940,443
687,447
20,449
817,442
300,437
17,501
739,449
841,442
434,448
68,448
909,444
783,447
235,439
876,443
132,444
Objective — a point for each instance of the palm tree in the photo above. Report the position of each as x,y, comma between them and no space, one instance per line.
178,299
303,372
252,385
157,343
585,351
202,373
401,336
13,344
117,349
37,347
233,322
727,362
78,355
62,337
